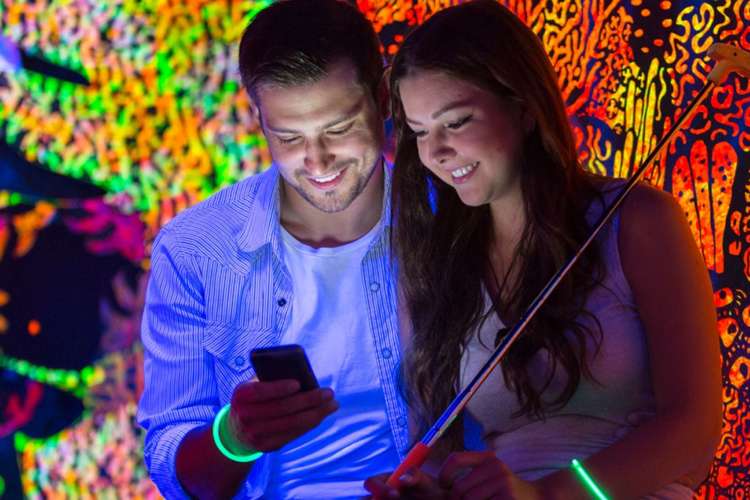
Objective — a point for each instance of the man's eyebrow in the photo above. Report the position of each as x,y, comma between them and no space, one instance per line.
348,115
281,130
451,105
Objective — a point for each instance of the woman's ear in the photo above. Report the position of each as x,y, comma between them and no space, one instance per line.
527,121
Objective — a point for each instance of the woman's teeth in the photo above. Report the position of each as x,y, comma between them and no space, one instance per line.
464,171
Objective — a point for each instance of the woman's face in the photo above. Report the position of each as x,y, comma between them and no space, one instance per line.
468,137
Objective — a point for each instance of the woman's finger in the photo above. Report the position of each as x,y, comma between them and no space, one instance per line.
485,491
420,484
461,462
377,486
486,479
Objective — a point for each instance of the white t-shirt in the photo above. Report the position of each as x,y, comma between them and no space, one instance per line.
329,319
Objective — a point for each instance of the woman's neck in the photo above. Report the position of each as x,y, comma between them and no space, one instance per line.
508,222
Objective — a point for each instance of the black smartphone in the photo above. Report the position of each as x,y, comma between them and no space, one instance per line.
284,362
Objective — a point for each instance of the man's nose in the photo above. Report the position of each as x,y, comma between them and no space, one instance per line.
318,157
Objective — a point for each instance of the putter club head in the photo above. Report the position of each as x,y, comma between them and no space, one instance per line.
728,59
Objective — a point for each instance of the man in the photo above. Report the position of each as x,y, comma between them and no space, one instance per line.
298,254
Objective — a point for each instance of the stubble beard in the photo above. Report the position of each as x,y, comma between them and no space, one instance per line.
334,201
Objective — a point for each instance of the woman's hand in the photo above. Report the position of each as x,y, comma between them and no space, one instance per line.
415,484
463,475
481,475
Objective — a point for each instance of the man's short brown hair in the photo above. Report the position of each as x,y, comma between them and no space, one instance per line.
294,42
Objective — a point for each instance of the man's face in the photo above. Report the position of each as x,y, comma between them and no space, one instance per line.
325,137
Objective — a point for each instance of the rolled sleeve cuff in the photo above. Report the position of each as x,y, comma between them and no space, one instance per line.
162,460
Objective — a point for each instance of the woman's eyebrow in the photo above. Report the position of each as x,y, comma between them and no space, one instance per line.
451,105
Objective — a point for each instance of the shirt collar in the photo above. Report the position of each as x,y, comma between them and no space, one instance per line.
263,224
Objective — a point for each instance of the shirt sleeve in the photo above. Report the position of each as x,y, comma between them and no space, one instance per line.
179,391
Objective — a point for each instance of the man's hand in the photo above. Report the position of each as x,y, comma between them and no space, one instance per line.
265,416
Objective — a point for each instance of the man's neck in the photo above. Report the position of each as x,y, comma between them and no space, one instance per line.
319,229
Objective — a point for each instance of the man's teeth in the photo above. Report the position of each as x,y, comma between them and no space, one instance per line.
464,171
329,178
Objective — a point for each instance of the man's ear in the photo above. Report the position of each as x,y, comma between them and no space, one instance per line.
255,111
384,94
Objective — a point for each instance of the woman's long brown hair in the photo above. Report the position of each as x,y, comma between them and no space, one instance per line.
442,245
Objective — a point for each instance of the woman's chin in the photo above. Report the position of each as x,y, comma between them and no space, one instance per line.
472,201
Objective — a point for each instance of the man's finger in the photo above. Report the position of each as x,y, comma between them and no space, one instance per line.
302,421
273,434
298,402
260,392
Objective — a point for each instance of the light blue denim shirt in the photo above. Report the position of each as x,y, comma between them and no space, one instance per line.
219,288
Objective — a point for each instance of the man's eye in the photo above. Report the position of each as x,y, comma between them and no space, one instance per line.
287,140
340,131
459,123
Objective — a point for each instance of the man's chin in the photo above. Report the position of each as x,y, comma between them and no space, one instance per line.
335,200
330,207
329,204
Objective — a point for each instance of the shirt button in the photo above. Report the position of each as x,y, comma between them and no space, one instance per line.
386,353
281,302
239,361
374,286
401,421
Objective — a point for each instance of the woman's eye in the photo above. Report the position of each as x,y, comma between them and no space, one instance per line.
417,133
459,123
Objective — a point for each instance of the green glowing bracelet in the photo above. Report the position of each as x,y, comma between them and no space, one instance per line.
588,481
223,449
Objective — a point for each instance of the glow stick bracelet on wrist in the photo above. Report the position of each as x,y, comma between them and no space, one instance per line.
251,457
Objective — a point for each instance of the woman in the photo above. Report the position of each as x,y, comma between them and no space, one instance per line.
621,368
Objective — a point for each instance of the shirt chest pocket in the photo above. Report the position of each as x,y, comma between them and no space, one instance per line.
228,348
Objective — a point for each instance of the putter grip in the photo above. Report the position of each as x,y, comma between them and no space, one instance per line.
414,459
